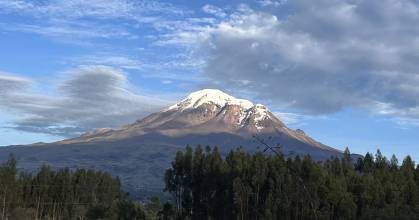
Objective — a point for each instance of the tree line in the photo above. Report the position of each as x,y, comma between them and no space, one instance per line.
205,185
67,194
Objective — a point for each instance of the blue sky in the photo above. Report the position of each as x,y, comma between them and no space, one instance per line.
344,71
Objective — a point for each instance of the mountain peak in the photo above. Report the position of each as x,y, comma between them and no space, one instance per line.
212,104
210,96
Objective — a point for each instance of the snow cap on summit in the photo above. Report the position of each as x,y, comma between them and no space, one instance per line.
210,96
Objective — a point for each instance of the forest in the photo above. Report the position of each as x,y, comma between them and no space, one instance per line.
203,184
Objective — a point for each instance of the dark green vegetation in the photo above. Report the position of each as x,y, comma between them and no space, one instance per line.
66,194
245,186
205,185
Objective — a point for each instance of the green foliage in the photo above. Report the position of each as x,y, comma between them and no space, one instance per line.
65,194
257,186
168,212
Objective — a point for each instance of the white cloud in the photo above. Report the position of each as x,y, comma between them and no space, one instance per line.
289,118
64,31
9,83
86,19
90,97
106,25
117,61
168,67
100,9
325,57
214,10
274,3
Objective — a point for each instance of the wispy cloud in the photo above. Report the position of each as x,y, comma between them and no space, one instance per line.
214,10
105,26
87,19
65,31
9,83
274,3
289,118
117,61
100,9
173,67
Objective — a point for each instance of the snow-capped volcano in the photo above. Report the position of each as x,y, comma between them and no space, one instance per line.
202,112
207,112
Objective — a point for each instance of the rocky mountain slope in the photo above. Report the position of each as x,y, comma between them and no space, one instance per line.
140,152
